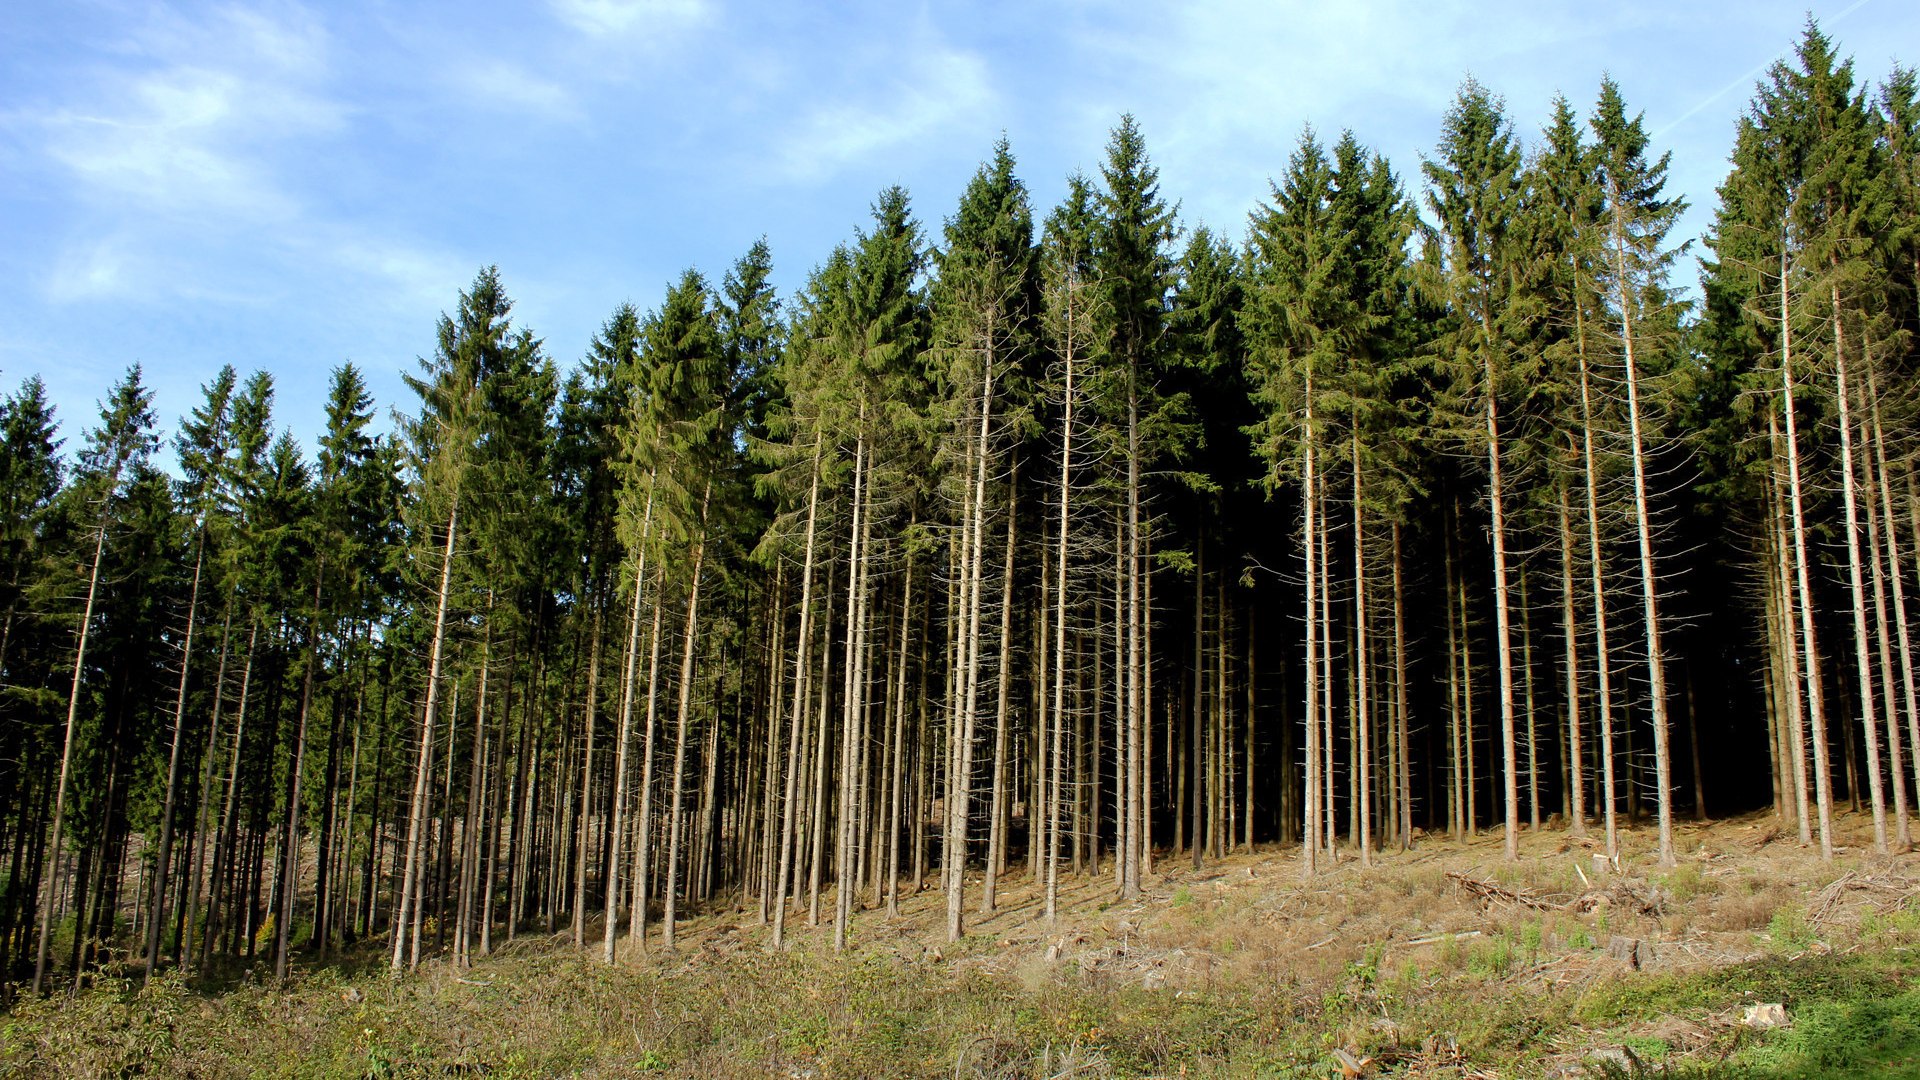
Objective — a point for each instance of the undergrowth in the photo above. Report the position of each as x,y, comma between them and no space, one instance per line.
804,1015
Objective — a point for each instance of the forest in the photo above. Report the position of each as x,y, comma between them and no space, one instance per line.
1044,544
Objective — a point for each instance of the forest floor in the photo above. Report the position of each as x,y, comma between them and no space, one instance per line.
1442,961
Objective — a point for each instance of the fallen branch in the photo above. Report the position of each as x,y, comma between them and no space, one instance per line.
1491,891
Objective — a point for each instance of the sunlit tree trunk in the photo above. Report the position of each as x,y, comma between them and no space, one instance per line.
415,819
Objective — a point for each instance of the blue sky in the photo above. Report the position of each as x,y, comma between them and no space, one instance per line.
287,186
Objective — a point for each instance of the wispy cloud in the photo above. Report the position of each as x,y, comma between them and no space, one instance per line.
936,88
503,83
188,135
180,135
625,18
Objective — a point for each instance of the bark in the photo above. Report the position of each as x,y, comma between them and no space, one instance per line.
619,796
1603,652
588,717
290,845
1310,803
803,644
414,822
163,859
1496,502
66,752
997,831
683,712
1363,761
1816,706
852,696
1856,587
1576,766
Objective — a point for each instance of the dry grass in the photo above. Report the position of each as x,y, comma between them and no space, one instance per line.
1441,960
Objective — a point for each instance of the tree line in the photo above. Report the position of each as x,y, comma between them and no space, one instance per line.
1079,539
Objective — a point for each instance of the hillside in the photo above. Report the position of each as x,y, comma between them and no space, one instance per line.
1442,961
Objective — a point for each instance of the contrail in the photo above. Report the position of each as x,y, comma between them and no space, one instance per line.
1744,79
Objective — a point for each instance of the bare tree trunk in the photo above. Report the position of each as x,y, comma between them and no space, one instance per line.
1456,775
476,787
1363,715
1642,520
1196,742
66,755
223,853
1496,502
1896,770
414,818
587,722
1856,587
643,817
163,858
683,713
817,797
1401,722
1576,766
1133,676
619,795
1533,742
1789,609
960,783
1603,652
997,831
802,647
1895,576
899,707
852,704
290,846
183,948
1310,803
1816,706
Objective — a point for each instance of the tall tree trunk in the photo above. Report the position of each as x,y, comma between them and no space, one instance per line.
683,711
587,720
1789,604
1363,750
1603,650
897,790
852,696
1643,527
1856,586
1503,644
1816,705
617,823
290,845
163,859
183,948
803,645
224,858
997,830
66,754
1402,723
414,822
1576,765
1895,575
1309,489
960,783
1533,743
1134,675
469,831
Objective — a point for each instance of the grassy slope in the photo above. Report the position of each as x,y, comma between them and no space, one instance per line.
1239,970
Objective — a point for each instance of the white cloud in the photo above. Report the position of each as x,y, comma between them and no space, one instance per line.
937,88
199,143
619,18
183,136
91,268
507,84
